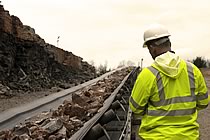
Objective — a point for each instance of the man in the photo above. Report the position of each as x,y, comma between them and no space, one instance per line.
169,93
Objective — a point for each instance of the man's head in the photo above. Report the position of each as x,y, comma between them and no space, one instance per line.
156,39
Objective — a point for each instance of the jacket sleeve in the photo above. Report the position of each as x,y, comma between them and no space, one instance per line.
202,96
141,92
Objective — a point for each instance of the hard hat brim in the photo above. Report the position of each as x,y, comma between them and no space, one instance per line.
153,38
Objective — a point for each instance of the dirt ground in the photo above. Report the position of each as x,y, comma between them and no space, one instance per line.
204,115
21,98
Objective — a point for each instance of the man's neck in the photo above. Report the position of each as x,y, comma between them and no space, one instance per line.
163,53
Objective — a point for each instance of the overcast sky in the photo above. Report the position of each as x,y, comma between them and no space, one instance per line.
112,30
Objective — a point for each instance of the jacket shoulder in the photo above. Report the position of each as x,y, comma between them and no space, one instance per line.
148,73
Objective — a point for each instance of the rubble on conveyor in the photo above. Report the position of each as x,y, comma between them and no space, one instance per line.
70,116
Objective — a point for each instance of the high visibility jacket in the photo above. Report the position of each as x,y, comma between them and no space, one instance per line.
168,95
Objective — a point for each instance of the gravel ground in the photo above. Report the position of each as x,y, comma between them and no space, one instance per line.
21,98
204,115
204,121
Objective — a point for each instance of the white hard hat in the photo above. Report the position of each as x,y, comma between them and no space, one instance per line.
155,31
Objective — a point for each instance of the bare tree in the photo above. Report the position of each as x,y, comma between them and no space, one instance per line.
102,68
126,63
130,63
121,64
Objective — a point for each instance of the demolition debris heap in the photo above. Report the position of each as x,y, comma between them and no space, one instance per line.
28,63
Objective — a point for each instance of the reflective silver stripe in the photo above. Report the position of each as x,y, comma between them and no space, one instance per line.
172,112
135,104
183,99
153,70
174,100
159,82
202,106
202,97
191,78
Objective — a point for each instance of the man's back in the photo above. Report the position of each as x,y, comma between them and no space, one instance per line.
169,93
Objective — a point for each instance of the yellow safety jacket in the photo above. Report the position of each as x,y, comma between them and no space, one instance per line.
169,94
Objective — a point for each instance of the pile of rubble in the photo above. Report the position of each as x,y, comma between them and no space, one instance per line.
70,116
28,63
